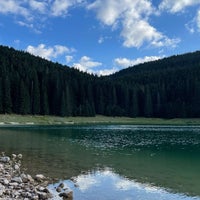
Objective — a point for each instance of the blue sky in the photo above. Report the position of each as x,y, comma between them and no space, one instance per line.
101,36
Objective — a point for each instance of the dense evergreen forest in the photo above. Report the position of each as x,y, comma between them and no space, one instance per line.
166,88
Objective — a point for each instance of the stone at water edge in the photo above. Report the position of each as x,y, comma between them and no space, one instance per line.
29,177
5,181
16,167
14,156
17,180
15,185
67,195
19,156
1,167
58,189
2,189
5,159
39,177
61,185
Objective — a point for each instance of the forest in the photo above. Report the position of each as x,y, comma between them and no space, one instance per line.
167,88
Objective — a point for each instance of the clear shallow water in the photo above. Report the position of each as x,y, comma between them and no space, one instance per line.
164,158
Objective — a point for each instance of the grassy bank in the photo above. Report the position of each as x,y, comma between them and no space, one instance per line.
54,120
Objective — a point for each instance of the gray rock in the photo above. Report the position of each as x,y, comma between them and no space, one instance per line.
17,179
13,184
14,156
2,189
16,167
67,195
5,181
30,179
39,177
5,159
24,178
1,167
58,189
42,195
20,186
61,185
19,156
41,188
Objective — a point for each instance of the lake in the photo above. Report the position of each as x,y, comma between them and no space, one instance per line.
111,162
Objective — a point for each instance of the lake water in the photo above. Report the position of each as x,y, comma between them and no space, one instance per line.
111,162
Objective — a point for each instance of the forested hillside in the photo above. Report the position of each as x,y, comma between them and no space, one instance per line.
166,88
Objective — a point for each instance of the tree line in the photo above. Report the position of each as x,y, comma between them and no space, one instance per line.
166,88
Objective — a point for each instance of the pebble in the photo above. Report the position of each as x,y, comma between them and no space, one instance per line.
67,195
16,185
19,156
5,159
17,180
40,177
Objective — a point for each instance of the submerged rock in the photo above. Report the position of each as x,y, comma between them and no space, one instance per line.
61,185
66,195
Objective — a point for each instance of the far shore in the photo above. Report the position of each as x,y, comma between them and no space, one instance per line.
30,120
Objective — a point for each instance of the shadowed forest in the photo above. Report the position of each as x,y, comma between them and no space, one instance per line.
167,88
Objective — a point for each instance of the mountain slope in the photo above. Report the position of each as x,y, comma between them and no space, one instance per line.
165,88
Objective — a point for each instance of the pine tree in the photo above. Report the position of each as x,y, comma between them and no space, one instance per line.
44,99
148,107
35,94
134,108
1,96
24,99
7,103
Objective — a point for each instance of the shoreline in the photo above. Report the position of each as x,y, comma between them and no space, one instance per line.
29,120
15,184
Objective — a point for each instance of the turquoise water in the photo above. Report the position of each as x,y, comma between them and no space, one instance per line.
112,162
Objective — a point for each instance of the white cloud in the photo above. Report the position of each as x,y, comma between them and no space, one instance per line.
108,11
48,52
86,64
101,40
105,72
175,6
36,12
13,7
68,59
198,20
60,7
142,33
132,17
194,25
124,62
38,6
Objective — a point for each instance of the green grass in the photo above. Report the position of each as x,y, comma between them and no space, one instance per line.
54,120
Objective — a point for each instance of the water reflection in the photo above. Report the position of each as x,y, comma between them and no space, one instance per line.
107,185
163,156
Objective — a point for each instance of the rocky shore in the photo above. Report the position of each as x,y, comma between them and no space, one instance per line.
16,185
